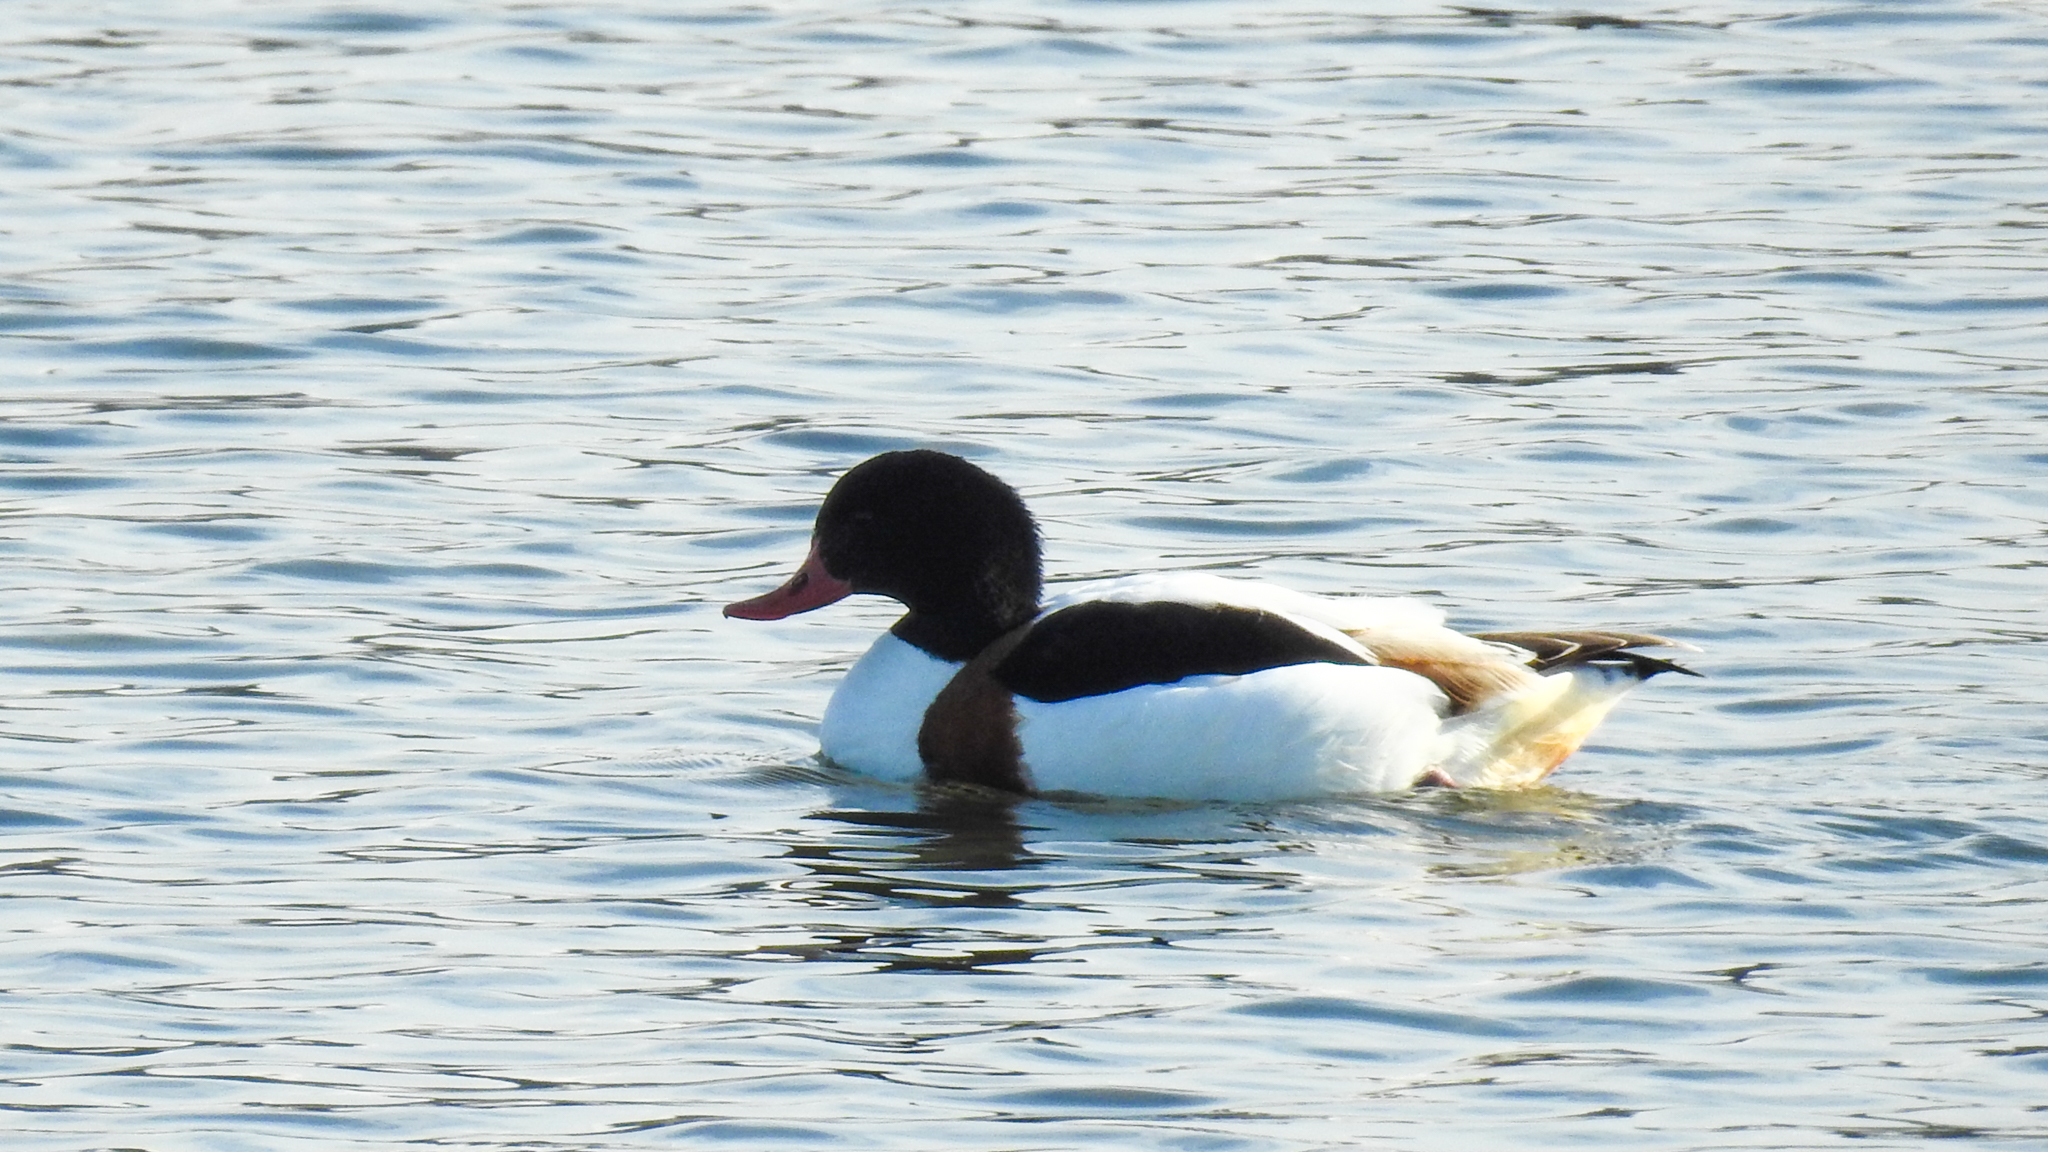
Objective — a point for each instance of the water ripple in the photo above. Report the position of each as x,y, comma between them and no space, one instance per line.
396,394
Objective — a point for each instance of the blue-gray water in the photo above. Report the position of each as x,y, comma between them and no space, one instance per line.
393,394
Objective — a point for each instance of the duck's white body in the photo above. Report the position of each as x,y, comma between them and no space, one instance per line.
1293,731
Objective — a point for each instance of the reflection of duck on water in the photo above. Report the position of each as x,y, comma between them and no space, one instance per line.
952,852
952,830
1172,685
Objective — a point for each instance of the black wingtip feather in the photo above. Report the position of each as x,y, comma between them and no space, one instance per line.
1551,651
1643,667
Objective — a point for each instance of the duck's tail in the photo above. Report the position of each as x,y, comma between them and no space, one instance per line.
1521,702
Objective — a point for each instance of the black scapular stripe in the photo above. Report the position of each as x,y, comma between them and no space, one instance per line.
1107,646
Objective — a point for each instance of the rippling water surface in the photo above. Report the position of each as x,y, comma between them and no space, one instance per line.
394,394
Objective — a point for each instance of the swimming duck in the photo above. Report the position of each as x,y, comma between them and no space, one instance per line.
1178,685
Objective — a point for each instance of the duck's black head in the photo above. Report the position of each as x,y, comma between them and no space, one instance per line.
950,542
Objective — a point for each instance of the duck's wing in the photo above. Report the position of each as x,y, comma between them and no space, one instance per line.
1468,670
1473,670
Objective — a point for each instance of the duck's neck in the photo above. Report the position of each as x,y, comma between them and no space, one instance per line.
959,633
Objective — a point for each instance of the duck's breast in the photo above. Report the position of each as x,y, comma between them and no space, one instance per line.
872,721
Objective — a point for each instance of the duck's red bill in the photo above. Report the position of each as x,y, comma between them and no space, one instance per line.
811,587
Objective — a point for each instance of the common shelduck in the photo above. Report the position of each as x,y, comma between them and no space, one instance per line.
1177,685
